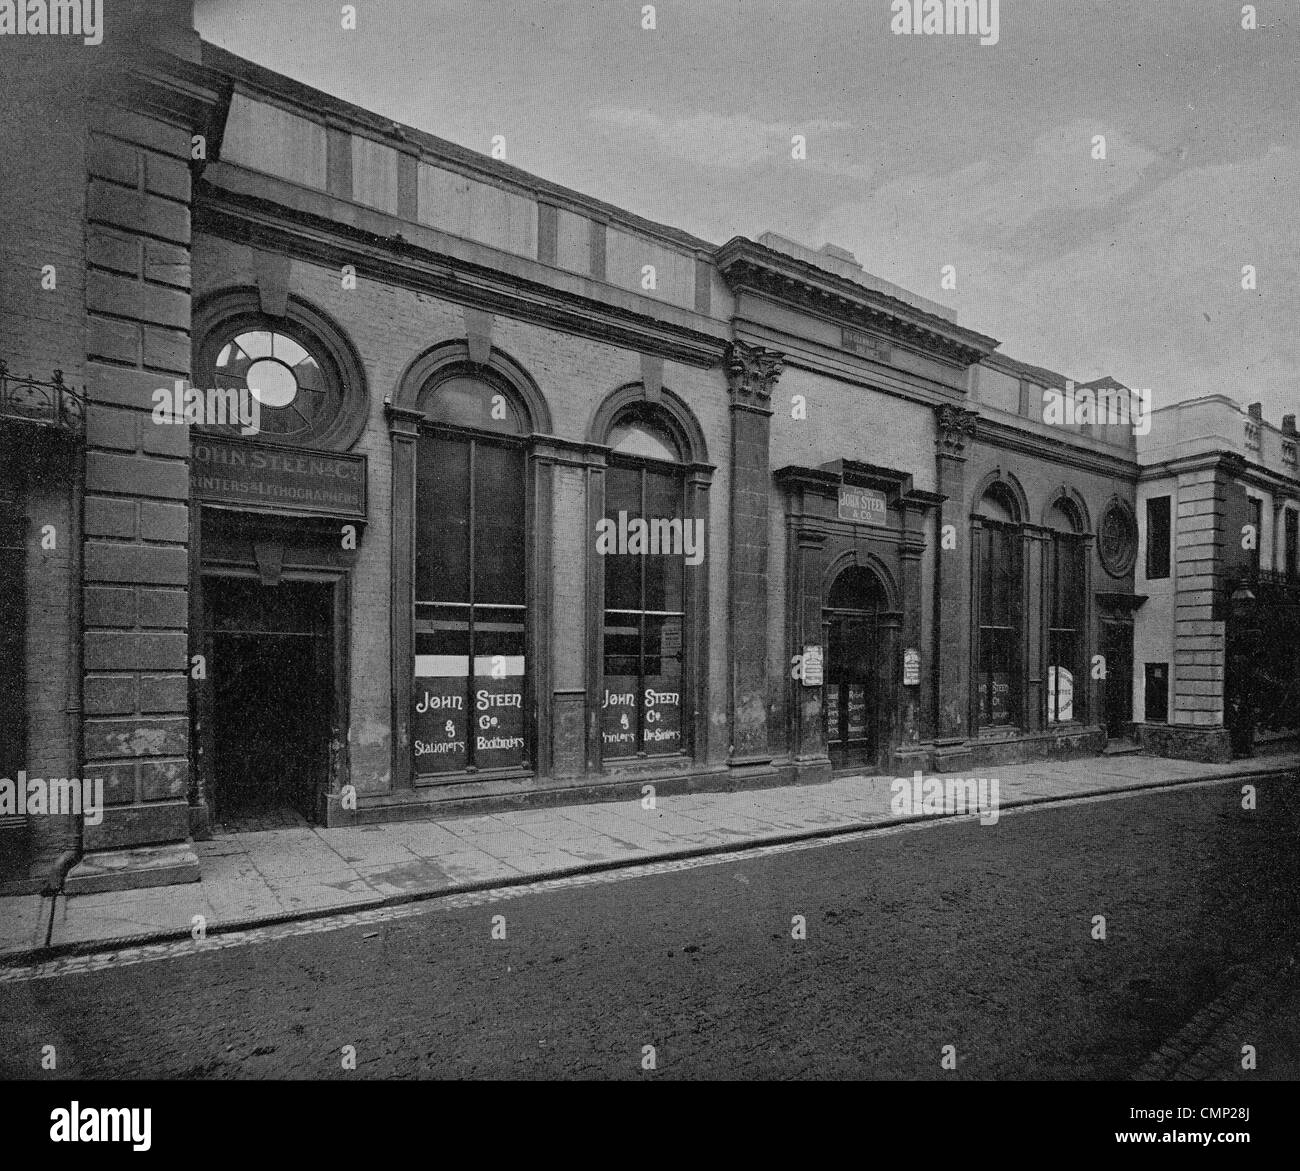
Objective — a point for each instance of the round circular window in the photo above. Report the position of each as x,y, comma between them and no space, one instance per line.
300,384
1117,539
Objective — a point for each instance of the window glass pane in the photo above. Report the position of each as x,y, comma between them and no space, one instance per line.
1158,537
441,719
996,506
498,691
473,402
255,343
661,693
498,524
287,350
233,362
620,699
641,709
642,438
442,520
622,571
664,571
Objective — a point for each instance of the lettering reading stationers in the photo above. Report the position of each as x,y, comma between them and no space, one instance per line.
265,475
863,506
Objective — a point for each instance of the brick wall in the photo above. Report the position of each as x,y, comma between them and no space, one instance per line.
389,327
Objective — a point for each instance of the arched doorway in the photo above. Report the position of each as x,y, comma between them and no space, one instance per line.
851,699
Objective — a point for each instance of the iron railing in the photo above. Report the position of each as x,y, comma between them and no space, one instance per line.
51,404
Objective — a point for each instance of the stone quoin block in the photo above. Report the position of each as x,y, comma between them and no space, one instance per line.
107,516
110,606
111,293
117,341
109,695
114,251
162,780
112,428
136,563
139,825
164,522
136,476
166,349
166,176
134,211
107,739
113,385
164,693
164,608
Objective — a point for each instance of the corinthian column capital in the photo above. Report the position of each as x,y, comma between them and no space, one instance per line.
752,373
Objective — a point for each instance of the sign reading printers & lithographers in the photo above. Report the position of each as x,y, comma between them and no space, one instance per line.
863,506
265,475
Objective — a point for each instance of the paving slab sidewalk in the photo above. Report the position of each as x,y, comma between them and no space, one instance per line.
278,875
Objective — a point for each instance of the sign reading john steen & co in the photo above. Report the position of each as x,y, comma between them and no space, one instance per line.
272,476
863,506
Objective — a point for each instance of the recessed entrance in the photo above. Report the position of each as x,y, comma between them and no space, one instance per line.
850,700
1117,648
270,665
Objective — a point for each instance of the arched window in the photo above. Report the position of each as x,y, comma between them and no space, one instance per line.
648,545
471,672
1066,569
999,607
295,376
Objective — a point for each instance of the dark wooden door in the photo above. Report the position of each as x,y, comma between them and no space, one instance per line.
272,695
1117,647
850,693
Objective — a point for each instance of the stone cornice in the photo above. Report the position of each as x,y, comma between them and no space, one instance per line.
1060,451
748,266
1232,463
170,89
256,221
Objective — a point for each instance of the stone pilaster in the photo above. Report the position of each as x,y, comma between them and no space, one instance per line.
955,427
751,374
136,559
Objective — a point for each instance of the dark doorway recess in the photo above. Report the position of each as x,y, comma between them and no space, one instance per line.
271,665
1117,649
850,620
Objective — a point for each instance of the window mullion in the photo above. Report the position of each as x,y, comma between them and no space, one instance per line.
470,758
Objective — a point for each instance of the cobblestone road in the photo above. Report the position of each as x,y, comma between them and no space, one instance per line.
945,934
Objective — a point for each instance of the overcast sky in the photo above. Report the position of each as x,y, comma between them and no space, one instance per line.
923,151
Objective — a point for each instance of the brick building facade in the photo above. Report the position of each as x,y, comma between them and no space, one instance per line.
417,587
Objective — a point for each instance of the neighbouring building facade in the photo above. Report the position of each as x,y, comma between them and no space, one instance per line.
1218,641
544,502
